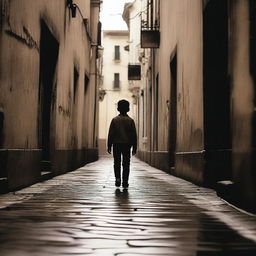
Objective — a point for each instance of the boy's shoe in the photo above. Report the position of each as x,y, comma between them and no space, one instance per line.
118,182
125,185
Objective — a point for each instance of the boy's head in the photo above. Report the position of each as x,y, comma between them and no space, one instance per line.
123,106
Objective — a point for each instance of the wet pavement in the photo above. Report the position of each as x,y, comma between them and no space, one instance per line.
82,213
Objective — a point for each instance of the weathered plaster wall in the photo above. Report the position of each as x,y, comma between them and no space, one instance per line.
19,82
181,28
73,51
181,31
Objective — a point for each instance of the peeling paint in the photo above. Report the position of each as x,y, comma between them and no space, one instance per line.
54,95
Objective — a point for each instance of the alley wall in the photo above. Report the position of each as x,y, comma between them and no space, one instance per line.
45,63
197,89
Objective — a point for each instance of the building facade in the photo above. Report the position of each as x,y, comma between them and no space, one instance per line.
199,90
48,88
115,84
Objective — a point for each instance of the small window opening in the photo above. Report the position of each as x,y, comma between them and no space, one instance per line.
116,81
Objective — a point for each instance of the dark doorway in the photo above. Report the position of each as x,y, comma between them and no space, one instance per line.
216,92
86,83
75,107
156,124
215,74
49,49
252,5
173,110
1,129
86,100
75,81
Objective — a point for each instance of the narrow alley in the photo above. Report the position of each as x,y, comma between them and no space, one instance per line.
82,213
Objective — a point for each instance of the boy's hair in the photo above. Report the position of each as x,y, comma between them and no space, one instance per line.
123,106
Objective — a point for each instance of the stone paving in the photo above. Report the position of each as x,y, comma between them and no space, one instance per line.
82,213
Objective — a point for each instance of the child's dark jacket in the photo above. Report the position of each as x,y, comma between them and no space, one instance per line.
122,130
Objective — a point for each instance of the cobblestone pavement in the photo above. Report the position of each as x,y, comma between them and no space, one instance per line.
82,213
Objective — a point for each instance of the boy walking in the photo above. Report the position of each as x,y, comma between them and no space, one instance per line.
122,136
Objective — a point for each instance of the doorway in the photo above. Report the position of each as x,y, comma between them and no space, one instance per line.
216,91
1,129
252,9
215,74
49,49
173,110
156,123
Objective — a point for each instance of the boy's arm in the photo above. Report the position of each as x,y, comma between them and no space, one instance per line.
111,133
134,138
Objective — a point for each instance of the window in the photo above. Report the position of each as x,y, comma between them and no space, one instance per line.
134,72
117,52
116,81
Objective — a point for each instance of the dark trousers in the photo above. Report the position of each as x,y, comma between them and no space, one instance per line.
123,150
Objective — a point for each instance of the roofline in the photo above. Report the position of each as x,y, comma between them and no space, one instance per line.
126,13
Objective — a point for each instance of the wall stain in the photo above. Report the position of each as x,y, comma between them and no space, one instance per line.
65,112
197,136
54,95
31,42
27,40
26,142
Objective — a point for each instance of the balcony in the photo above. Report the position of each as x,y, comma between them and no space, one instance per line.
150,38
134,72
150,25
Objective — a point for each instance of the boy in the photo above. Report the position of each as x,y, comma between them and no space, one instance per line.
122,135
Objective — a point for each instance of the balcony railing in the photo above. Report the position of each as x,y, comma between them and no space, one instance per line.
150,20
